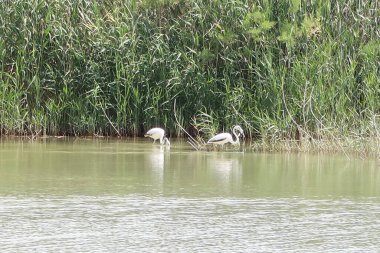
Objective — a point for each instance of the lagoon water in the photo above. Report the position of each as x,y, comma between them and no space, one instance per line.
78,195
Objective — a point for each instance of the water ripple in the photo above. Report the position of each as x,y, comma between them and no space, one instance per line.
140,223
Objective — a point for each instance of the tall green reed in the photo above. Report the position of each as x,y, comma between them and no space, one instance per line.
281,69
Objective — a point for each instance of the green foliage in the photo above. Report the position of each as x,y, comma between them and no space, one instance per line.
281,69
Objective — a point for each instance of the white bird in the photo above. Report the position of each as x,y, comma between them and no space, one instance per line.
157,134
222,138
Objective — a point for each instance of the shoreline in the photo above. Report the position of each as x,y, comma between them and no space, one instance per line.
350,147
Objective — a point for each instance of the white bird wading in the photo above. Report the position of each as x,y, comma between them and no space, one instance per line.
158,134
223,138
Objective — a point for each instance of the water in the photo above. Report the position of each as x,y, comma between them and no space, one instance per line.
132,196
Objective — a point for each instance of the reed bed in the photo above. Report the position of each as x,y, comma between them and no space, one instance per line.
283,70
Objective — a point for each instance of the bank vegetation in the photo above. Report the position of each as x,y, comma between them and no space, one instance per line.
283,70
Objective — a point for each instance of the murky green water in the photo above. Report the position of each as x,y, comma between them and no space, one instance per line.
123,196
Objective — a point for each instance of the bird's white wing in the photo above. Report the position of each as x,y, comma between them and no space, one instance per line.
219,137
155,130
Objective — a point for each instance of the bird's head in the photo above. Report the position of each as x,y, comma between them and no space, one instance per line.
166,141
239,130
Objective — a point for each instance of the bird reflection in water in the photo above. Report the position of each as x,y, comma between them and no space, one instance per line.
157,162
226,170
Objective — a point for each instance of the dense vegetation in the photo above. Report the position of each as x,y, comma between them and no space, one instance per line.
280,68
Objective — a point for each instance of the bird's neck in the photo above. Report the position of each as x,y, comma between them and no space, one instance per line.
164,140
234,142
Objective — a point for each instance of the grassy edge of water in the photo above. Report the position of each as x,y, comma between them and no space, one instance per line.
362,148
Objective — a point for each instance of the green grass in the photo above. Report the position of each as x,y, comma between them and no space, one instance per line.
281,69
